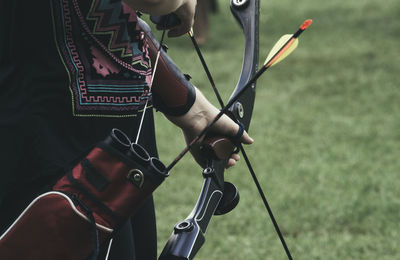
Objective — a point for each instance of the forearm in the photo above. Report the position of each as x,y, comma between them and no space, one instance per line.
155,7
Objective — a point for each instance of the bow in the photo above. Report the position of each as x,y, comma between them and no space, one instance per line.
217,196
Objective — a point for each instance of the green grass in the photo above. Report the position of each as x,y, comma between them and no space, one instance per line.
327,131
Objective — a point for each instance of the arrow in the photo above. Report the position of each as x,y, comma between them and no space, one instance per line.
284,46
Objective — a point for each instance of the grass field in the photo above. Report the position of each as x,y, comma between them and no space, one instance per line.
327,130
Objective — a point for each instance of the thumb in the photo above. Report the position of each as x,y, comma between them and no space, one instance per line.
246,139
226,126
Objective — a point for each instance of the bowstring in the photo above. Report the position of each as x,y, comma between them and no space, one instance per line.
151,82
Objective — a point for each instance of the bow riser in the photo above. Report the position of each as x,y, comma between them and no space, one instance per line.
189,235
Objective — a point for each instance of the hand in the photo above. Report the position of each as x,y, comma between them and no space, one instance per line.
193,122
179,22
223,127
184,9
185,14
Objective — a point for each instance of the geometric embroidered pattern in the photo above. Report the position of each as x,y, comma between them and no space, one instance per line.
105,55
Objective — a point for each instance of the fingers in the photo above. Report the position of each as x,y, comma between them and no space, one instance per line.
176,31
180,30
235,157
185,14
232,161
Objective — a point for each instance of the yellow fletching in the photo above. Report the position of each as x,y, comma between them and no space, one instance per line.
271,60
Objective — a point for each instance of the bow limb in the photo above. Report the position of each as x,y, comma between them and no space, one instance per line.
247,15
217,196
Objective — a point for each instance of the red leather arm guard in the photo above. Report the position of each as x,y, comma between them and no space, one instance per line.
173,93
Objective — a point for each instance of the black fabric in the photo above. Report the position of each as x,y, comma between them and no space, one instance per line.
141,224
144,245
39,137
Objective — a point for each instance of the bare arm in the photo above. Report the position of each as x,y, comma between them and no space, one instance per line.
184,9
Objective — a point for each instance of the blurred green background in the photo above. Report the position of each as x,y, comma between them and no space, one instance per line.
327,129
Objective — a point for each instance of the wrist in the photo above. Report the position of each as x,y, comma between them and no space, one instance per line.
198,116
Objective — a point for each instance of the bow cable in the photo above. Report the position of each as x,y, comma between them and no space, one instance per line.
205,67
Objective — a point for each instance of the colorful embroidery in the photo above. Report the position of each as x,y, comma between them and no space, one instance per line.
105,54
